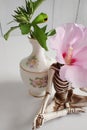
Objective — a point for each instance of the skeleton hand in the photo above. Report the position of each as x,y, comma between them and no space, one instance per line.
38,121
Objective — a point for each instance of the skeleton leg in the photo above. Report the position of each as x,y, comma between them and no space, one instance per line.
51,114
79,101
83,89
50,107
61,113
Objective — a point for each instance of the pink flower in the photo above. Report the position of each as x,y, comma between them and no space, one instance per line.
70,43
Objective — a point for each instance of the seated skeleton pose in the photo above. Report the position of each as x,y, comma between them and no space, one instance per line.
70,43
64,101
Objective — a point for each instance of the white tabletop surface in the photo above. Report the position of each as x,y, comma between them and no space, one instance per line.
17,107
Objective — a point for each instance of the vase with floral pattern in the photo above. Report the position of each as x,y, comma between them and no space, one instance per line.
34,70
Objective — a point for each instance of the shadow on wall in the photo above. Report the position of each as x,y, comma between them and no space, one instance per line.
17,108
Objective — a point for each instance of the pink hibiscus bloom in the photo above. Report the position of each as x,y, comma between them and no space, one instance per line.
70,43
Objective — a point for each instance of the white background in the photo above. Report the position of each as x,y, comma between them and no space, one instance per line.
17,108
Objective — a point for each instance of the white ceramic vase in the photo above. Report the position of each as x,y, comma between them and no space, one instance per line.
34,70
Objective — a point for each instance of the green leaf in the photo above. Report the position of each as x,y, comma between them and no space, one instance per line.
20,19
41,18
28,7
44,28
51,32
6,35
25,28
31,6
21,15
22,10
40,36
10,22
36,4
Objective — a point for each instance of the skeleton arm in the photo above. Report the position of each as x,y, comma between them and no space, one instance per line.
48,90
39,117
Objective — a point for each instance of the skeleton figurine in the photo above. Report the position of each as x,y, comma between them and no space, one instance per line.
64,101
70,42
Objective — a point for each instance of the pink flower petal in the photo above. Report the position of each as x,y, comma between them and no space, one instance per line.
81,58
75,75
66,35
73,35
60,58
56,40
